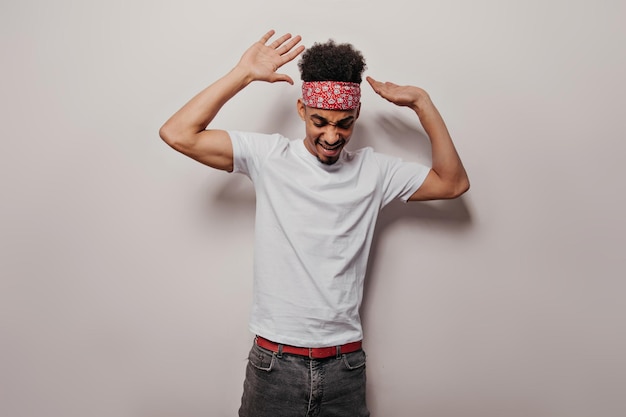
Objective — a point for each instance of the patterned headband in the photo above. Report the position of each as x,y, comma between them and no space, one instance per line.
331,95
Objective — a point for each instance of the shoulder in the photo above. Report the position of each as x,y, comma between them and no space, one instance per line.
242,136
244,142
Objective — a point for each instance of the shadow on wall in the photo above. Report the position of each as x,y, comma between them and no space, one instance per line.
404,137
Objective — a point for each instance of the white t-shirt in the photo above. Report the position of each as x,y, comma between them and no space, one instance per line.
313,232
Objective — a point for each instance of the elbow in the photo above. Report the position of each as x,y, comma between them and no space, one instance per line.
166,134
460,187
170,136
456,189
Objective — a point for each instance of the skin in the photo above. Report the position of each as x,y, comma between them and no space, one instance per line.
326,131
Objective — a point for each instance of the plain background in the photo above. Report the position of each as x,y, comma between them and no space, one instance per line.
125,267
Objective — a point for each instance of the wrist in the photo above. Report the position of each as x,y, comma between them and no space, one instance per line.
241,76
421,102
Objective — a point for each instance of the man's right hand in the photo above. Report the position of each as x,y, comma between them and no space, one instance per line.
261,61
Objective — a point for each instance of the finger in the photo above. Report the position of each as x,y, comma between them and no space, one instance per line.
289,45
291,55
282,78
373,83
267,36
276,44
376,85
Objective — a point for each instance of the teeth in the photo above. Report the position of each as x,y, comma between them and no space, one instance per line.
331,148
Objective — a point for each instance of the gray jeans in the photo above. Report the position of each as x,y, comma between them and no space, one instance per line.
296,386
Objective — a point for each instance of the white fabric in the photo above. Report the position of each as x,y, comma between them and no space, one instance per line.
314,227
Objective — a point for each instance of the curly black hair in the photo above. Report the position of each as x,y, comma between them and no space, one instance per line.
332,62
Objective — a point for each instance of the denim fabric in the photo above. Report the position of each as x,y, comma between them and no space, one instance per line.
296,386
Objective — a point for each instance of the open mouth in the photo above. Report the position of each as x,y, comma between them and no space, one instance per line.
329,152
332,147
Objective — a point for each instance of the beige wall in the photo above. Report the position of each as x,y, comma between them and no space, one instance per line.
125,267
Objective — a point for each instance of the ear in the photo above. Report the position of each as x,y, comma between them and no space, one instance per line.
301,108
358,111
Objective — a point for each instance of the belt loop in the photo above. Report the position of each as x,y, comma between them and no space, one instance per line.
279,354
338,352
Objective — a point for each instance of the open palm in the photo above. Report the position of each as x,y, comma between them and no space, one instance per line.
261,61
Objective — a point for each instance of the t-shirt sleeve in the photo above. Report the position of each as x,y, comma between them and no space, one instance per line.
251,149
400,178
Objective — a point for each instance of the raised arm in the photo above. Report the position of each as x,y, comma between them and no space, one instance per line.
447,178
186,131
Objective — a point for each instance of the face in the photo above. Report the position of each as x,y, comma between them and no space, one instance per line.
327,131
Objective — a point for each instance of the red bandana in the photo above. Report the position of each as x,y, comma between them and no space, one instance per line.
331,95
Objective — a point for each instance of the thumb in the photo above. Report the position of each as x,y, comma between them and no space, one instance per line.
282,78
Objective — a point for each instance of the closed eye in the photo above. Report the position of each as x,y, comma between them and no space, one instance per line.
345,124
319,121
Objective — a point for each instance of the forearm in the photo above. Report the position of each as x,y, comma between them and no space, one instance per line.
197,114
446,162
186,131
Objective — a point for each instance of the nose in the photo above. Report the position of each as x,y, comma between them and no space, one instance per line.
331,133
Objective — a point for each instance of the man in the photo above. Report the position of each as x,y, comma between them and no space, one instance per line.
317,204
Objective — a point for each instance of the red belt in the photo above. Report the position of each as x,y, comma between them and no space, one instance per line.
313,353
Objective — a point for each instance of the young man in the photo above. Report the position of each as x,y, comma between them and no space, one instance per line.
317,205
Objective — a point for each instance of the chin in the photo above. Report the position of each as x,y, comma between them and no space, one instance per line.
326,161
